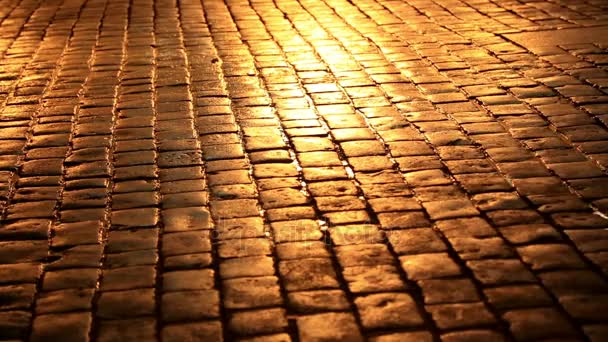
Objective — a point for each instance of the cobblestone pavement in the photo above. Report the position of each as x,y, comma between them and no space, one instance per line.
312,170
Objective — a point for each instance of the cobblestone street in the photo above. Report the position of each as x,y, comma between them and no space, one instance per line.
304,170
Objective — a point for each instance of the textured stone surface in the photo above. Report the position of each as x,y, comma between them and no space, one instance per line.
313,170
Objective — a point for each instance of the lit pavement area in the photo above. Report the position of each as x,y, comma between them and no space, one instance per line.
312,170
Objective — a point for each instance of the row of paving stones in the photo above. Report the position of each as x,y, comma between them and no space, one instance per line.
53,251
284,170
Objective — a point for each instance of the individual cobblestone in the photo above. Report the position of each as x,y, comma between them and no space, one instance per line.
306,170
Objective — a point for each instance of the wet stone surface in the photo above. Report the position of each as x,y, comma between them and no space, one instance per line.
319,170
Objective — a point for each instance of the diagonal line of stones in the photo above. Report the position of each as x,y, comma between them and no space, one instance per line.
41,65
6,11
9,31
91,45
110,57
73,41
54,77
217,14
20,55
192,28
8,111
173,22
